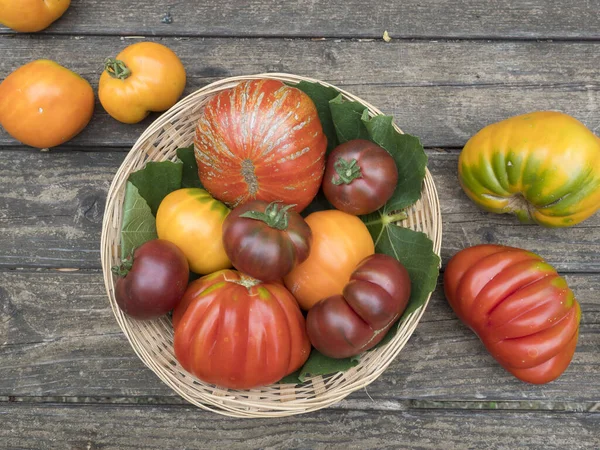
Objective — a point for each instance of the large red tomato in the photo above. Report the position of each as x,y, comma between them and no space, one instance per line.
518,305
236,332
261,140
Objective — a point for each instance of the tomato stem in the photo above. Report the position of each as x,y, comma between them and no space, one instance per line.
347,171
275,216
117,68
123,269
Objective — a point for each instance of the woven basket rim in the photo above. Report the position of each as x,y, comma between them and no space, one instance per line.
282,399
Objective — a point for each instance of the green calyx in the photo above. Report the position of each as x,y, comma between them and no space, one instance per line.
117,68
123,269
275,215
347,171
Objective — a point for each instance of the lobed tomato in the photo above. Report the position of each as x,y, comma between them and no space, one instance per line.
340,242
31,15
193,220
261,140
376,295
521,309
153,281
360,177
236,332
266,240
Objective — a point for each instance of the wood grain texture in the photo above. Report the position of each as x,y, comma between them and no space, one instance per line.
123,427
58,338
51,207
350,18
443,92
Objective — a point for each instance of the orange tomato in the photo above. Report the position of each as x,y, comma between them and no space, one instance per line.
144,77
43,104
31,15
192,220
340,242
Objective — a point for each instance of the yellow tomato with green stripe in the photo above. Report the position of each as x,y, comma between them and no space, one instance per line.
193,220
544,167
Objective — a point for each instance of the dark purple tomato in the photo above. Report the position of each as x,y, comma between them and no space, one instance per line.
373,300
360,177
266,240
154,281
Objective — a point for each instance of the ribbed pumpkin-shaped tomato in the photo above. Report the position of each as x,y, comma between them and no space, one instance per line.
520,308
543,167
261,140
236,332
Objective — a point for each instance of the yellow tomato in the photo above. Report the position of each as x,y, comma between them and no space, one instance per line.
191,219
340,242
43,104
142,78
31,15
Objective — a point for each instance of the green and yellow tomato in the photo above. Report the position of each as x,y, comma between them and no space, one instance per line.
193,220
543,167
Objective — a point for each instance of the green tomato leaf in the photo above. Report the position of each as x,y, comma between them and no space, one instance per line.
157,180
190,178
321,95
319,364
139,225
409,156
347,118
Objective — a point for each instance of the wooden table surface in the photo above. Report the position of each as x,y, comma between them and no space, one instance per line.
68,377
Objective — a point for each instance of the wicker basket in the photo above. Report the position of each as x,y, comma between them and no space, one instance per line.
153,340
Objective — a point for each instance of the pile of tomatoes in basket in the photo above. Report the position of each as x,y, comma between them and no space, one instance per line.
261,156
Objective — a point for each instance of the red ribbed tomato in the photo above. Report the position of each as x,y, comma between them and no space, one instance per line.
261,140
236,332
518,305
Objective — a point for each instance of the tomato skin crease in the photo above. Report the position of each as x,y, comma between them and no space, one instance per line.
239,333
345,325
29,16
520,308
43,104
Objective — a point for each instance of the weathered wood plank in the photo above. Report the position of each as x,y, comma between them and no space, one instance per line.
58,337
441,91
112,427
51,207
411,18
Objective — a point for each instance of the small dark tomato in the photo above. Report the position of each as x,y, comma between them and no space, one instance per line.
153,282
266,240
373,300
360,177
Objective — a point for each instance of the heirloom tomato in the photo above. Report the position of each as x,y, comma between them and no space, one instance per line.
31,15
193,220
43,104
340,242
355,321
145,77
152,282
360,177
236,332
521,309
261,140
543,167
266,240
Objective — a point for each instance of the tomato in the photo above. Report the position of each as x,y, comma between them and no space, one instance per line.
543,167
31,15
340,242
43,104
521,309
346,325
143,78
153,282
239,333
266,240
193,220
261,140
360,177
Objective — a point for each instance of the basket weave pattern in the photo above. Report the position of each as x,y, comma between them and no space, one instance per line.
153,340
